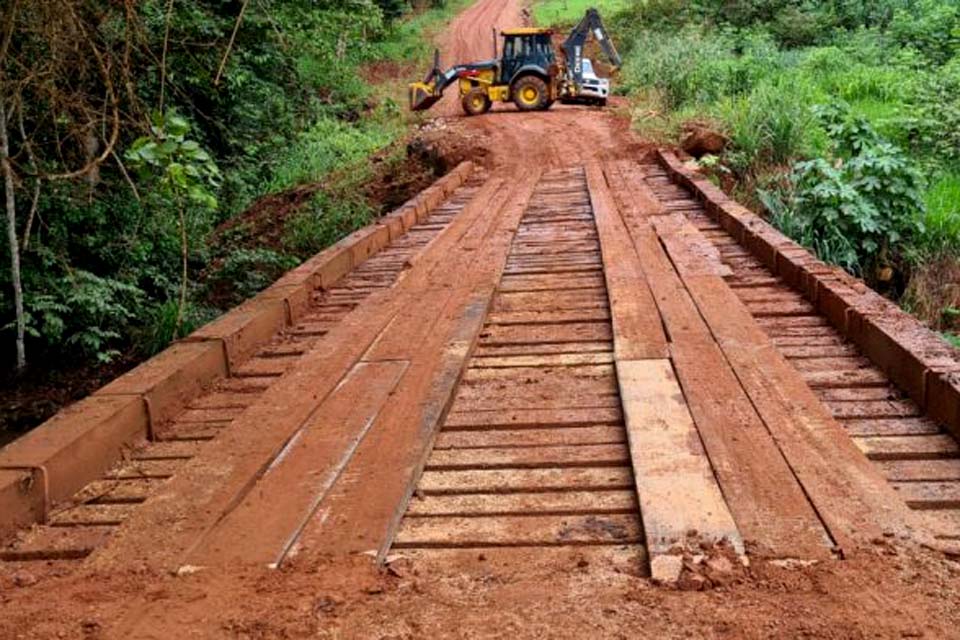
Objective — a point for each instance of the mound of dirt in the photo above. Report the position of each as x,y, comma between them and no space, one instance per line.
700,140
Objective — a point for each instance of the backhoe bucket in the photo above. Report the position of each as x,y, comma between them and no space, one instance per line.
423,96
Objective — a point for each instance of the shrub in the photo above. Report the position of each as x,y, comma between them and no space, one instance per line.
932,126
86,313
930,26
862,208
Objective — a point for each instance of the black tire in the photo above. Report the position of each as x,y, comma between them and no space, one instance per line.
476,102
530,93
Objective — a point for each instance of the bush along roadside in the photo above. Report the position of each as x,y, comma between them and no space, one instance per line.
838,119
190,157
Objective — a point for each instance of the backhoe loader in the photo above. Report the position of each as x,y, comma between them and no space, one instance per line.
527,72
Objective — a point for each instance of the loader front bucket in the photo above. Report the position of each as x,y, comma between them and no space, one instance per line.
423,96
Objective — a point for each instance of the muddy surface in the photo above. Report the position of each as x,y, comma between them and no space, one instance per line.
883,593
892,589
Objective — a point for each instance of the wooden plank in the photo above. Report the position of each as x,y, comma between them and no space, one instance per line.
546,333
547,300
782,308
768,506
930,495
533,418
909,447
555,502
891,427
92,514
850,495
217,479
527,388
530,437
807,341
548,360
860,394
677,491
638,332
599,374
529,457
549,316
274,512
793,321
837,365
482,351
166,451
847,491
157,469
552,283
819,351
943,523
850,378
920,470
360,515
519,531
518,402
118,491
688,249
873,409
524,480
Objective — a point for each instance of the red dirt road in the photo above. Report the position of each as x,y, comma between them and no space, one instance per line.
484,350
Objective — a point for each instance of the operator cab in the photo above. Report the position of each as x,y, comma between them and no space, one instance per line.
525,48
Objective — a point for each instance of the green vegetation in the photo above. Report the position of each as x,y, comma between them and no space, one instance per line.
138,133
842,121
553,12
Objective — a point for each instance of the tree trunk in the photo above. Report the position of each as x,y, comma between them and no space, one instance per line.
12,238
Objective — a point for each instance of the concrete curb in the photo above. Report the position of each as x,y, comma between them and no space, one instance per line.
913,356
82,441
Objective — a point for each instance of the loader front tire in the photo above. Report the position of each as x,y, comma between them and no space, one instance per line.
476,102
530,94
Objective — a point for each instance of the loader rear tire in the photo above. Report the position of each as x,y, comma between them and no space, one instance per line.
530,94
476,102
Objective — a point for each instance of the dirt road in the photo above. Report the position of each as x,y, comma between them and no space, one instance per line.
568,397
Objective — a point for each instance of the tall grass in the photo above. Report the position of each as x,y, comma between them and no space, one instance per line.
942,220
770,126
330,145
561,12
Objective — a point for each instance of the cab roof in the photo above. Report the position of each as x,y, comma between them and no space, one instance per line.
526,31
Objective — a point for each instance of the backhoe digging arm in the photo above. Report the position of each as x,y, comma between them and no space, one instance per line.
573,46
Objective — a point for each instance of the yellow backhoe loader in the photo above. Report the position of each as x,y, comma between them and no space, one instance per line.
527,72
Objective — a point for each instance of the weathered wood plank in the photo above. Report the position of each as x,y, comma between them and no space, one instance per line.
556,502
767,503
519,530
675,484
529,457
638,332
274,512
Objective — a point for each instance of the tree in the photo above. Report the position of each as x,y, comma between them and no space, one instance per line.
58,76
184,174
